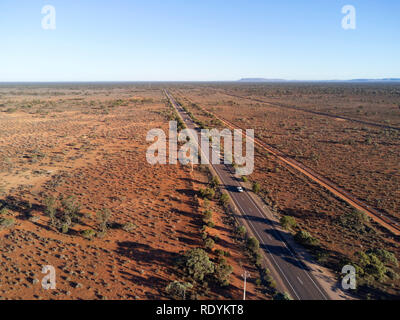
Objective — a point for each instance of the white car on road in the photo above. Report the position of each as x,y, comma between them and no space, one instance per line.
239,189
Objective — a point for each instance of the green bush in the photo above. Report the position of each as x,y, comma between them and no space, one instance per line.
6,223
304,238
210,224
50,210
209,243
252,244
241,230
256,187
207,193
103,217
198,264
88,234
288,222
227,254
214,183
282,296
129,227
207,215
370,265
355,221
222,273
64,216
385,256
178,290
224,199
70,207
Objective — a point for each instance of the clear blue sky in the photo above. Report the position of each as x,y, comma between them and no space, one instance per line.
198,40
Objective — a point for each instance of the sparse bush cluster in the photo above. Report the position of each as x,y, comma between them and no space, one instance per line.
201,269
356,221
252,246
63,213
375,265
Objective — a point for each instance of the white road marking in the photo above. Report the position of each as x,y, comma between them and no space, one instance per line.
300,281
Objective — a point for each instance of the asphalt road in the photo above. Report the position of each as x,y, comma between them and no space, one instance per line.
295,276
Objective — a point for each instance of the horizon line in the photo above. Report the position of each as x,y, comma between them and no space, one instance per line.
242,80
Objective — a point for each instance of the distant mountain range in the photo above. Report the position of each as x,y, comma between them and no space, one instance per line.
351,80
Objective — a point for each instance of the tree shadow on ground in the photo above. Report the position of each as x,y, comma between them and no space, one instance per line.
144,254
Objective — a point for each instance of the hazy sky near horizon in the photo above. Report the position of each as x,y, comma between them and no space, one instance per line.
149,40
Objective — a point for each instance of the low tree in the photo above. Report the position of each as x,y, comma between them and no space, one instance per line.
252,244
288,222
103,217
305,238
50,210
256,187
241,230
198,264
224,199
209,243
222,273
71,208
178,290
214,183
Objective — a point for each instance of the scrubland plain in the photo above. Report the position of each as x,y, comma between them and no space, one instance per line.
77,193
